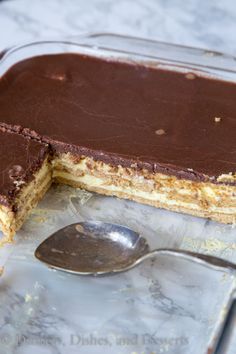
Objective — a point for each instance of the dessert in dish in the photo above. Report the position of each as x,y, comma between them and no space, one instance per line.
131,130
25,177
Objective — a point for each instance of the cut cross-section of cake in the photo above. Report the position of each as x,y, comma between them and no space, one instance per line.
25,176
204,199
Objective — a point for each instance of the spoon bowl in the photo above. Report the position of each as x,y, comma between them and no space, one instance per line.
92,247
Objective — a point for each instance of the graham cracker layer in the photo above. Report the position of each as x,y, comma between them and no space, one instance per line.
204,199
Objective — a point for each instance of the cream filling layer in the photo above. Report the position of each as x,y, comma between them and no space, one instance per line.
91,181
197,196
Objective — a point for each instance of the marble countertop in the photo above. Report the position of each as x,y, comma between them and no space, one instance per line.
47,312
208,24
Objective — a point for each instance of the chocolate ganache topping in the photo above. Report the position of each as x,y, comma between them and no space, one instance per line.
124,113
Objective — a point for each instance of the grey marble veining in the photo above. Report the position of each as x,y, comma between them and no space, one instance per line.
209,24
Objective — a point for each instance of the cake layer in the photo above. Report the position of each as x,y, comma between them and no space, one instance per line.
25,176
204,199
30,195
122,113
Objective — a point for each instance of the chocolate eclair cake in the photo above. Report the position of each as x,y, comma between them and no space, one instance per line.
156,136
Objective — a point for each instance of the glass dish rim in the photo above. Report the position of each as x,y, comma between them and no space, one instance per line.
203,62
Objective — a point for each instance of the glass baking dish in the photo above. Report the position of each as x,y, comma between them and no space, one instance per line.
164,306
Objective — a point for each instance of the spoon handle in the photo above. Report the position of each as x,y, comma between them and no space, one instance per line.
195,256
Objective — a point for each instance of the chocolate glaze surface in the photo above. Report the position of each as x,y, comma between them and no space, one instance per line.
20,157
124,113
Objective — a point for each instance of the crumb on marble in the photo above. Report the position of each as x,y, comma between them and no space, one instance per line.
1,271
30,311
40,219
217,119
28,298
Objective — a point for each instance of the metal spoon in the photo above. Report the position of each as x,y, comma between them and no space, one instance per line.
96,248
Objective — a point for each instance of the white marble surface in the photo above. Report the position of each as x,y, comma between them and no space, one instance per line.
40,310
209,24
